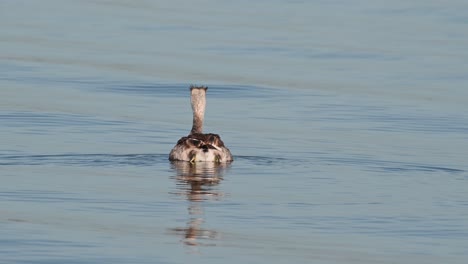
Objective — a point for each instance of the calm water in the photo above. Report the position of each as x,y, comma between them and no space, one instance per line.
347,120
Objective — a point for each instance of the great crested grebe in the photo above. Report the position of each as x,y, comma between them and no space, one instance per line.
198,146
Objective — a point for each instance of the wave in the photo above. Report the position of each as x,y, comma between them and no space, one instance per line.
84,159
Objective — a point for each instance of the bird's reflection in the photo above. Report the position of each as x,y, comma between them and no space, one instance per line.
198,182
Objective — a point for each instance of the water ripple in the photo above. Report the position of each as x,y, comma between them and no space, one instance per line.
35,119
180,90
84,159
388,166
102,159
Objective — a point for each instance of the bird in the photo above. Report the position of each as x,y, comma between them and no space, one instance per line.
198,146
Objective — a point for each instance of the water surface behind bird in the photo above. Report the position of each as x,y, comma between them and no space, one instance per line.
347,124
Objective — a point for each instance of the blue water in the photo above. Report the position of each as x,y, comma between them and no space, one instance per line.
347,122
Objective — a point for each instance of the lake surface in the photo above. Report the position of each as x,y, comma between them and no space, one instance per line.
347,121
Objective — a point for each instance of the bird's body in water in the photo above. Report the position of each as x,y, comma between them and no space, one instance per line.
198,146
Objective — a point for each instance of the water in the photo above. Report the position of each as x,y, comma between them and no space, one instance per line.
347,121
